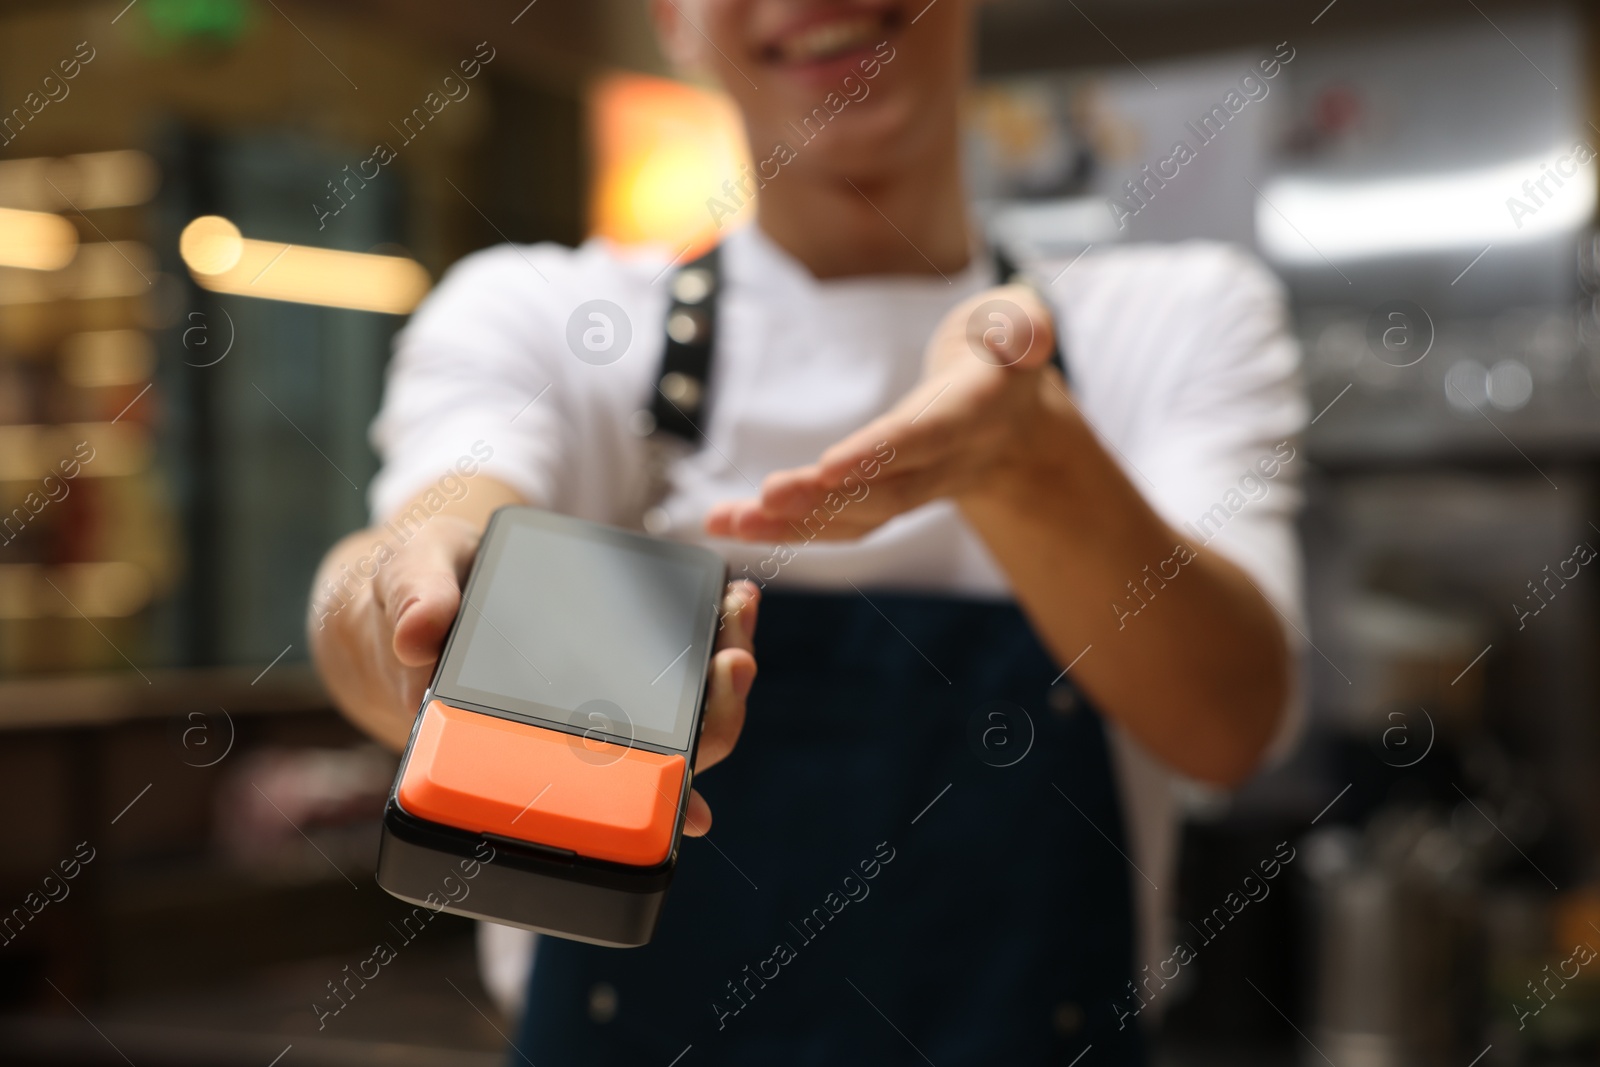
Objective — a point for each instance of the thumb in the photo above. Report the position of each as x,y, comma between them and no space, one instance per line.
419,593
1012,327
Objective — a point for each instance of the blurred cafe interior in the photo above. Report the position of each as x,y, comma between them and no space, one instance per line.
182,435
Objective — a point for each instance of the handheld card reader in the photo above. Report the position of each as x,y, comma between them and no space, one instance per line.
559,733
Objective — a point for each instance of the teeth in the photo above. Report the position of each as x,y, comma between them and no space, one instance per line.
830,39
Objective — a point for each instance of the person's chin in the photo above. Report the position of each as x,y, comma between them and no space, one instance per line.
890,141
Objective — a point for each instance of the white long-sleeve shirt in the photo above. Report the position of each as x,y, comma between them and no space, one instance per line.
1179,355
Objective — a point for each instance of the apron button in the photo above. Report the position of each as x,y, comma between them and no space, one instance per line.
1068,1019
686,327
681,389
602,1002
692,286
1063,701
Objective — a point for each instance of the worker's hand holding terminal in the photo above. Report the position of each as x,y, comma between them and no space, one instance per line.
376,640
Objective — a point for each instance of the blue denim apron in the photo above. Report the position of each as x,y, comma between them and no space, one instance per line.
916,858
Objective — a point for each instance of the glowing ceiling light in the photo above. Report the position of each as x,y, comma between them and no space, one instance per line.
1301,220
223,261
36,240
211,245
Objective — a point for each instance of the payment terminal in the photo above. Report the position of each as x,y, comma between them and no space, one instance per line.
548,771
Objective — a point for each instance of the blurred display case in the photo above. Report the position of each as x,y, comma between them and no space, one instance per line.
270,399
182,451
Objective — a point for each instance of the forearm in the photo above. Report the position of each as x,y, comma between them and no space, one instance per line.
1186,654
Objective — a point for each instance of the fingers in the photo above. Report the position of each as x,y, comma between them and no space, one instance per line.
913,433
805,516
720,519
697,819
741,605
733,672
931,426
749,520
419,592
860,484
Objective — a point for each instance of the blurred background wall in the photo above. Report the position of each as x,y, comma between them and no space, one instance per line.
183,413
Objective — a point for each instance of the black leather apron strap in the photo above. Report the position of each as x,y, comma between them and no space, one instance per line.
1006,269
680,391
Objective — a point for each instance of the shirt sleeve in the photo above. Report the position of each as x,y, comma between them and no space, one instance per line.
1225,456
468,380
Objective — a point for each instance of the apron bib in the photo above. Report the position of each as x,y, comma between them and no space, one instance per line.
915,858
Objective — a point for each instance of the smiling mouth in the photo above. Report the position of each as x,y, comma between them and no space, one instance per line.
826,41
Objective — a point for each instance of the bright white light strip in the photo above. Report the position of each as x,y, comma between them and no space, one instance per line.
1427,213
221,260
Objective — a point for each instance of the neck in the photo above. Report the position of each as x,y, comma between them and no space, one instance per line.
910,221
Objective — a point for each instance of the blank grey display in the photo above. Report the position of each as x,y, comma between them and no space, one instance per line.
570,620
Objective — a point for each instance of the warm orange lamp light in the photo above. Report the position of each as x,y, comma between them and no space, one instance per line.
662,149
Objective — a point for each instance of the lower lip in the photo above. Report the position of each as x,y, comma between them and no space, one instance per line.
828,73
